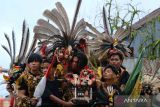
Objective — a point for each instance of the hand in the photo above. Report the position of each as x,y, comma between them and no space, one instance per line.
68,104
34,101
122,87
110,90
10,88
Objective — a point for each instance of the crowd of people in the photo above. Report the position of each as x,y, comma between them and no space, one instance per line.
108,82
65,69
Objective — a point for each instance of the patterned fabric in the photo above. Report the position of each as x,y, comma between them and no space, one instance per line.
27,81
103,96
23,102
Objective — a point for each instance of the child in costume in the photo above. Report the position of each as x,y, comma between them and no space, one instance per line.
27,82
107,88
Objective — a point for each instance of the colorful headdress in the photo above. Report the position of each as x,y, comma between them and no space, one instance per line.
60,34
151,76
17,64
107,41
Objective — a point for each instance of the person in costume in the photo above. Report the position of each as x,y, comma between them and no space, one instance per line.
45,65
27,82
52,96
115,57
107,87
18,61
78,62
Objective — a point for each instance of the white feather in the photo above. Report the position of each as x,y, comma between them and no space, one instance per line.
43,36
93,29
40,88
61,19
79,27
62,11
43,30
23,44
52,17
46,24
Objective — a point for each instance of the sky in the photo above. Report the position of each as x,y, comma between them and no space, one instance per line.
13,12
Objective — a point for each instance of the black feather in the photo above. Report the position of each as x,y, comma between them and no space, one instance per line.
105,21
14,47
7,50
22,41
26,45
32,47
9,44
75,15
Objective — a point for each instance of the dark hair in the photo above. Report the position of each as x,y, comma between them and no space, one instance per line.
34,57
55,63
117,53
46,61
82,59
114,69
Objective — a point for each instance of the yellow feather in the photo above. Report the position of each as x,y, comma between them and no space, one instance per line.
99,72
6,78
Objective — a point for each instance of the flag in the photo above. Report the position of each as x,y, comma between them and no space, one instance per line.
134,76
42,84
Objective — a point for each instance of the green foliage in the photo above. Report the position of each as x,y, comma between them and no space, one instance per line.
152,46
120,17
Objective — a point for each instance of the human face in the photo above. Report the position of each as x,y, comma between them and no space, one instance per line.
115,60
108,74
52,72
74,63
34,66
45,66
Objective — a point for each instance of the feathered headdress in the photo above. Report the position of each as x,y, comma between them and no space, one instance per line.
23,47
17,64
60,33
105,41
151,76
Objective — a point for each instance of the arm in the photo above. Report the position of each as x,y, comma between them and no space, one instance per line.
21,86
21,93
55,99
59,101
